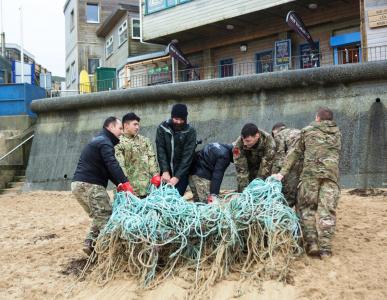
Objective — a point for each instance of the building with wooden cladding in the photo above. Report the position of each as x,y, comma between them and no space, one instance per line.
84,49
236,37
121,34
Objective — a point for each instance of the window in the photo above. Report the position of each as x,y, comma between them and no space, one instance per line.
73,72
92,65
123,32
264,62
226,68
68,79
309,58
348,54
109,46
72,20
157,5
136,34
92,13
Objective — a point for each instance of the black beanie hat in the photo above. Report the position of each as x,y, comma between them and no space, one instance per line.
179,111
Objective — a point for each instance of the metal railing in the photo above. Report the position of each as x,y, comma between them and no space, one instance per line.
15,148
265,64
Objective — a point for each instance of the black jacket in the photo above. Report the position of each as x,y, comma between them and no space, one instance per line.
211,163
175,150
98,163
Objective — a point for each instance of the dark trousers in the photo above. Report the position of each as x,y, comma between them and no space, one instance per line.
181,186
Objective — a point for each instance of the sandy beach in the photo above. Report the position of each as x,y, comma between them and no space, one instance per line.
41,235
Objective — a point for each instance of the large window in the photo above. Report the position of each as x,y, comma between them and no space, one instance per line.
157,5
92,13
136,29
226,68
92,65
347,48
109,46
348,54
309,58
123,32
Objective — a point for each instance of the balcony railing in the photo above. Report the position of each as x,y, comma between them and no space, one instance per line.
268,64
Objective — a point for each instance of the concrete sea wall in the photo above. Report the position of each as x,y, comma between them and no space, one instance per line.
218,109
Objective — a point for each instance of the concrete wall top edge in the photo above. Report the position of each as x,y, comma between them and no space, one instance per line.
249,83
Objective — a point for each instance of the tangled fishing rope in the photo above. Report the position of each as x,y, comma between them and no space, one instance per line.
254,233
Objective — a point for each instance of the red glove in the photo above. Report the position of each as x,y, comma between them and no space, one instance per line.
156,180
125,187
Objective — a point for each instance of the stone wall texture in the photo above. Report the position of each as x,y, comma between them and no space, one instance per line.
218,109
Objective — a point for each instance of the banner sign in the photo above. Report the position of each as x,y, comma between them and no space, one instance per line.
175,52
295,22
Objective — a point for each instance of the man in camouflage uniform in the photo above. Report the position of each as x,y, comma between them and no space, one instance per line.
253,155
136,156
320,143
96,166
285,141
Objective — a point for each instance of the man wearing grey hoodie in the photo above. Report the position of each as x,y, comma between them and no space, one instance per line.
320,144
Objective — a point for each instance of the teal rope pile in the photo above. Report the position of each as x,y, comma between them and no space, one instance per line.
165,226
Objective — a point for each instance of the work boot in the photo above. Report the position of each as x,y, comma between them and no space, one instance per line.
88,246
324,254
312,249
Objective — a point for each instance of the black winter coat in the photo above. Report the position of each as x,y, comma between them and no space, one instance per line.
98,163
175,150
211,163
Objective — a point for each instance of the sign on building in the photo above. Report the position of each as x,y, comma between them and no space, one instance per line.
377,18
309,58
283,53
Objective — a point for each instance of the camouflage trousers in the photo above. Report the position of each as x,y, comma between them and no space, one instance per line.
200,188
96,202
317,202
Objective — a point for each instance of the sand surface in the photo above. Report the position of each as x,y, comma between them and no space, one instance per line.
41,235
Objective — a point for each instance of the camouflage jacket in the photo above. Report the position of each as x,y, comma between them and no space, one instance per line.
254,162
138,160
285,141
320,143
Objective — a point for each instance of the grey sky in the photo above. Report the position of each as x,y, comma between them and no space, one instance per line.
43,30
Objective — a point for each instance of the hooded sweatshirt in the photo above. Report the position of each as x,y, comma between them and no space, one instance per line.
320,143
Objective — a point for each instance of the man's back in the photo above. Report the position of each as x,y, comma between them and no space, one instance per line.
322,145
285,141
97,163
213,156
